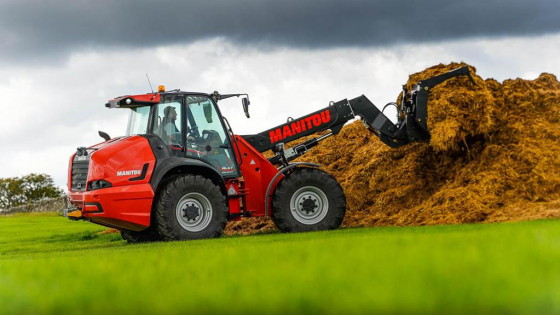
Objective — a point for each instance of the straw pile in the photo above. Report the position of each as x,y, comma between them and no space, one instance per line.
493,156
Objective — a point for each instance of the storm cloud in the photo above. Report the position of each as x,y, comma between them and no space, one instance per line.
35,30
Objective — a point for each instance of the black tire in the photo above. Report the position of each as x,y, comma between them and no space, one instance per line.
308,199
133,237
190,207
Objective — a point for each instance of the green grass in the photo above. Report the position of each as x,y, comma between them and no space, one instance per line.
49,264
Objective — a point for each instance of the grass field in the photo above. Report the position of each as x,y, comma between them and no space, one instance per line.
49,264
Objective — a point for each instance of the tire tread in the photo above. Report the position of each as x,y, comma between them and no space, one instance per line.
281,213
173,191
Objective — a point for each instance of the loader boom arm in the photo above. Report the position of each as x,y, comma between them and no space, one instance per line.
330,118
412,127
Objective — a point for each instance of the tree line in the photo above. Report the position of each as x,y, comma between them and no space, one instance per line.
17,191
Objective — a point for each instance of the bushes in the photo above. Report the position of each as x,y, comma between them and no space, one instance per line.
33,190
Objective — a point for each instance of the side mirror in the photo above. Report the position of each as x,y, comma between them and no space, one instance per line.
207,108
246,103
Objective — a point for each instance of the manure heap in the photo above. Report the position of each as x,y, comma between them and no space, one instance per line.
494,155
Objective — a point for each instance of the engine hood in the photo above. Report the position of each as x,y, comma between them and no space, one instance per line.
108,143
120,161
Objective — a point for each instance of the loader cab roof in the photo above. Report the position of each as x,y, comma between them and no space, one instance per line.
128,101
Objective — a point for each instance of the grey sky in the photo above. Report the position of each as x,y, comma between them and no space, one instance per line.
38,31
61,61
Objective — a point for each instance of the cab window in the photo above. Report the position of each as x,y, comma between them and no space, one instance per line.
168,123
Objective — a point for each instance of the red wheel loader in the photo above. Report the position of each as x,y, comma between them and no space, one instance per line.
181,173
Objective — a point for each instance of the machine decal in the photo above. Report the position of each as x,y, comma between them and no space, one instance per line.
142,175
128,173
298,126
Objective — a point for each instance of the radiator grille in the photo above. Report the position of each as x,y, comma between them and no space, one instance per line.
79,175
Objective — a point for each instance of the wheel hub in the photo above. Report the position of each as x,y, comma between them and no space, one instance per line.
194,212
309,205
191,212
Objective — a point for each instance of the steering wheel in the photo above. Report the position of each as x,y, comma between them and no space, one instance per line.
193,132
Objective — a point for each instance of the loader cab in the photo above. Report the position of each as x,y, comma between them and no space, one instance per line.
191,125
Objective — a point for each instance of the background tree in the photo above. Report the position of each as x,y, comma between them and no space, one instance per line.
11,192
15,191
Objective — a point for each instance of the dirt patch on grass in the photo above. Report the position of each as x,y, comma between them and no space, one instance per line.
493,156
108,231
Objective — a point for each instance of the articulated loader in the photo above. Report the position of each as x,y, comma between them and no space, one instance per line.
181,173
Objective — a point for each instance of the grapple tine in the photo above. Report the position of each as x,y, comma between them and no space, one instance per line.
433,81
420,99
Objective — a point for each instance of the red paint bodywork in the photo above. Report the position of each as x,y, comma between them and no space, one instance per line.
128,204
146,98
257,173
125,204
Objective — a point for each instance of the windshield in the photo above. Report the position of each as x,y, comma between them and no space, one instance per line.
138,121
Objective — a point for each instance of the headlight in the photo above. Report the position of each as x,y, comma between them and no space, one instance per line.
98,184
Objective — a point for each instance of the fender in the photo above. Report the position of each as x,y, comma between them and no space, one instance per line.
166,162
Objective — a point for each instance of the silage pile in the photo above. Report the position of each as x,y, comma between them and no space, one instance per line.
494,155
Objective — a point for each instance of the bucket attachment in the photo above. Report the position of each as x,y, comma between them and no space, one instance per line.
412,112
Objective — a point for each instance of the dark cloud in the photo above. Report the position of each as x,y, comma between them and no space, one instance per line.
33,30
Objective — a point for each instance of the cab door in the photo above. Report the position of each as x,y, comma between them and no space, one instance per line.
206,135
168,122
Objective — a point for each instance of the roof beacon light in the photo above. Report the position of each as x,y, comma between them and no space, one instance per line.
161,88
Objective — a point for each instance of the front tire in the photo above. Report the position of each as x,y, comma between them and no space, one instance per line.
308,200
191,207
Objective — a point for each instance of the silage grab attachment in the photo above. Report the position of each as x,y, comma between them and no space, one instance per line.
412,112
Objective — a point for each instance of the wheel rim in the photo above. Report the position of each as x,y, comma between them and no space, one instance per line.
309,205
194,212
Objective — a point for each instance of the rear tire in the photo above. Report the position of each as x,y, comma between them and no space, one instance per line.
191,207
308,199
